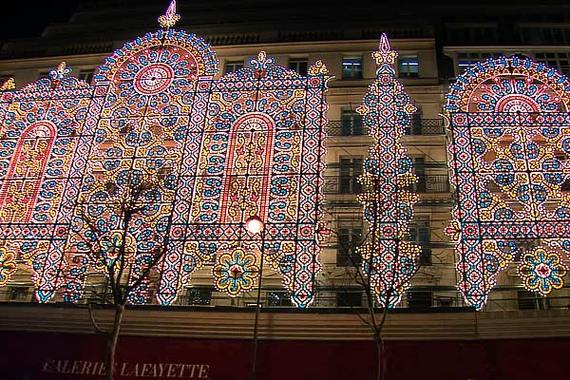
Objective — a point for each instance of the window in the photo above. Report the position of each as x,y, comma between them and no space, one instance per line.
462,34
352,68
531,301
199,295
18,293
232,66
544,35
560,61
351,123
565,186
416,125
278,298
349,239
299,65
419,299
86,75
349,298
467,60
420,234
409,66
350,169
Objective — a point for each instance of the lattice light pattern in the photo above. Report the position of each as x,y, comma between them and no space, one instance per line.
217,151
389,259
509,132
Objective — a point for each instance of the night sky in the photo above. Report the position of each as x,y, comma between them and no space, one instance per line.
28,18
23,18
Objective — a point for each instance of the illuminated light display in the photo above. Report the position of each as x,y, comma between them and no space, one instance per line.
44,145
541,271
217,151
261,154
9,84
7,266
236,270
508,150
387,258
170,18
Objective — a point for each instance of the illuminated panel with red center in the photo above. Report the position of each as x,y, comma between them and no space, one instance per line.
259,153
248,166
20,188
509,154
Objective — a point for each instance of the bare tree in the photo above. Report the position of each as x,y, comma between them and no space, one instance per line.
126,204
366,269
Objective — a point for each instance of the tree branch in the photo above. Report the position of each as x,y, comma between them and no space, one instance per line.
93,321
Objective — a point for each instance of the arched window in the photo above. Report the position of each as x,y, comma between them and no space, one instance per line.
21,186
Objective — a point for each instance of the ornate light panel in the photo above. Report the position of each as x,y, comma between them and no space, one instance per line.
509,145
218,151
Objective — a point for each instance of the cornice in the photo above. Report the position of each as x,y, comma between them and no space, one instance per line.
310,325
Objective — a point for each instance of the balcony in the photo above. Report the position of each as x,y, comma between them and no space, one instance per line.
348,184
355,127
333,298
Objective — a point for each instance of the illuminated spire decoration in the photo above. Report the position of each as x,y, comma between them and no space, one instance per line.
8,85
170,18
388,257
318,68
385,55
261,64
60,72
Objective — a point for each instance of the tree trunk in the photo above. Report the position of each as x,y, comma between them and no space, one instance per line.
379,356
112,341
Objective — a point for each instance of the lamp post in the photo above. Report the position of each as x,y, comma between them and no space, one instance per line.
255,225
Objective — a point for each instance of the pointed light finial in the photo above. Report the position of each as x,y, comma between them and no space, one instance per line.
8,85
60,72
384,46
261,64
385,55
170,18
319,68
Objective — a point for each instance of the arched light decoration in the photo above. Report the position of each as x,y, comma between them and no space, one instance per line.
219,151
508,154
270,167
388,258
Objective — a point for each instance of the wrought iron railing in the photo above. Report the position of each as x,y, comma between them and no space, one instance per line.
348,184
355,127
420,298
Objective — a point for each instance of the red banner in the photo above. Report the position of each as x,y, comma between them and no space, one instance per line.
74,356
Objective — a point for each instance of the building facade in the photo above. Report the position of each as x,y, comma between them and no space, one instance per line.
435,46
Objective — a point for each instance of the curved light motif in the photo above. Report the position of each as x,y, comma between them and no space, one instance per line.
44,143
388,258
216,151
262,153
508,155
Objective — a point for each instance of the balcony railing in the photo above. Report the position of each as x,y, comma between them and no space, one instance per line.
417,298
348,184
428,183
355,127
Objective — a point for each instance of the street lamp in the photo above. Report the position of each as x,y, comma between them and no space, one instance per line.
255,225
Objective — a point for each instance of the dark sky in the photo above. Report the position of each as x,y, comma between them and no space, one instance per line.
27,18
